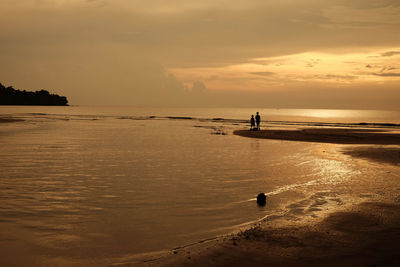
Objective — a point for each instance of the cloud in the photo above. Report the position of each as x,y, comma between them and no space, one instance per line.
388,68
262,73
198,86
193,33
340,77
387,74
154,52
390,53
312,62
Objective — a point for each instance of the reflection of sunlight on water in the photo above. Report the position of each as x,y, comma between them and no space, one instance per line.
331,113
326,172
337,114
330,172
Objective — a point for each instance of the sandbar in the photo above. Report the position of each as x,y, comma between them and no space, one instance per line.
327,135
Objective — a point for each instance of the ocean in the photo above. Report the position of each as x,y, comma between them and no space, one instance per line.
86,185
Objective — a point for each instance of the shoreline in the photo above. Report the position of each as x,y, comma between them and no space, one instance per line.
280,238
351,224
365,234
327,135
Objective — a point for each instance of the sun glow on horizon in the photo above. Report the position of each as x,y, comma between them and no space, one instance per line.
270,73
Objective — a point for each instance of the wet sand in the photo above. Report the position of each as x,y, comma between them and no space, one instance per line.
388,155
361,228
328,135
364,235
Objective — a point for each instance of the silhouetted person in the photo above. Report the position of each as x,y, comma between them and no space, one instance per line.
252,123
258,120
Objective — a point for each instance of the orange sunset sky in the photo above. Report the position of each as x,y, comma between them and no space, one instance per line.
286,53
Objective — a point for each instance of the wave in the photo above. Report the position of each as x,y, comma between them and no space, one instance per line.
230,121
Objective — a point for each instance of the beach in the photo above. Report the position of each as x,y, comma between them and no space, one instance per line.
366,234
199,133
354,223
164,187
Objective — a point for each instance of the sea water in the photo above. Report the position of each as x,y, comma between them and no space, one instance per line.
88,185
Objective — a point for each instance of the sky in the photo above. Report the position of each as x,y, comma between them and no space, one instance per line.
236,53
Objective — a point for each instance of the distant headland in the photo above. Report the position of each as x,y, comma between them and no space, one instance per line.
11,96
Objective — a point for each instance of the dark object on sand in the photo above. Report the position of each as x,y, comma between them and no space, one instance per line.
261,199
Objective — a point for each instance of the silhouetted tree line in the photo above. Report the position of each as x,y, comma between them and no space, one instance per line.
11,96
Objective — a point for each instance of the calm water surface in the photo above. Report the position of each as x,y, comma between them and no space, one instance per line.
87,184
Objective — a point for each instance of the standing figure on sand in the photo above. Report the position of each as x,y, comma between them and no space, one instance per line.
254,121
258,120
